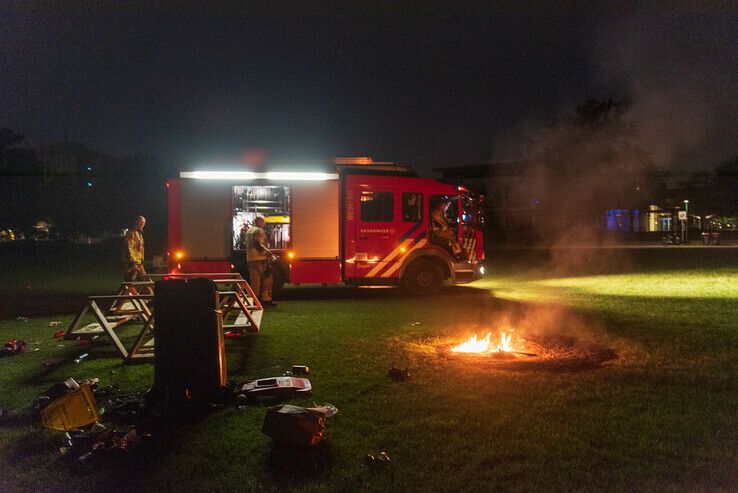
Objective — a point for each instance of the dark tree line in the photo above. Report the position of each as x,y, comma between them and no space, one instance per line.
714,192
78,189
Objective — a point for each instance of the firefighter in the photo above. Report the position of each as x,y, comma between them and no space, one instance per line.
258,257
440,231
133,254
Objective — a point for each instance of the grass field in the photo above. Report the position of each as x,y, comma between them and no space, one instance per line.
661,415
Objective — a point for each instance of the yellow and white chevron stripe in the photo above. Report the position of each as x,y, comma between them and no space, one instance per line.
383,263
397,264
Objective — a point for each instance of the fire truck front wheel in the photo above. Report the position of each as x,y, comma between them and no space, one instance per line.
423,277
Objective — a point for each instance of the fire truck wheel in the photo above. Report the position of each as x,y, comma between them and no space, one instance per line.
423,277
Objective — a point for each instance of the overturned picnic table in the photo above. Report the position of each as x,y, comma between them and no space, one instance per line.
134,303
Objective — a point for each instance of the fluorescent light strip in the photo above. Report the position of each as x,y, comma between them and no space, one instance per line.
250,175
218,175
304,176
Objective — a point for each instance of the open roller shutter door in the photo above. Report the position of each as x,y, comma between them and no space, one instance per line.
315,220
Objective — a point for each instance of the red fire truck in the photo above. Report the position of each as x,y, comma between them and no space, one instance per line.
357,222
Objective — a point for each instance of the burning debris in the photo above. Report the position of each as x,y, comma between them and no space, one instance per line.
475,345
538,351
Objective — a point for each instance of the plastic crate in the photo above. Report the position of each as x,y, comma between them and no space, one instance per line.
71,411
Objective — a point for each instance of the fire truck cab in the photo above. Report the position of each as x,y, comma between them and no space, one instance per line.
362,224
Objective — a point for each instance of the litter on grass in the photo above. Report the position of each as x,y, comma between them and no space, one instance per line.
82,446
73,410
12,347
398,374
280,387
297,426
382,458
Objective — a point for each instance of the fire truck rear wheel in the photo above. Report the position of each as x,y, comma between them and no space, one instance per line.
423,278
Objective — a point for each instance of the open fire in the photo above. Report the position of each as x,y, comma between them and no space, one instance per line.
486,345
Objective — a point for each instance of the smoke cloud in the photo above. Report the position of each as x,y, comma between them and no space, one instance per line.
664,99
677,64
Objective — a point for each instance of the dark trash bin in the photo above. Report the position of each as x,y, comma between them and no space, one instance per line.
189,355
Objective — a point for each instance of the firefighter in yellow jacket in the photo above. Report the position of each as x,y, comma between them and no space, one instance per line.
133,269
440,231
258,256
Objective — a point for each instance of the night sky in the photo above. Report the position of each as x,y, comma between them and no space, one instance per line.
422,83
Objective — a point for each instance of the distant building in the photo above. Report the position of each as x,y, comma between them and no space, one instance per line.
649,220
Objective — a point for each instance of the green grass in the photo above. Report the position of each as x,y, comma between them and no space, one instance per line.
662,416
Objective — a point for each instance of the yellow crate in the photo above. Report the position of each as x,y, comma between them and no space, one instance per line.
71,411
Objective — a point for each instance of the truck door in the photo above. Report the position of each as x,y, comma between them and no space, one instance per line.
375,230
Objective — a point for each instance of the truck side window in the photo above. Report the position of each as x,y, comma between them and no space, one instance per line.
412,207
377,206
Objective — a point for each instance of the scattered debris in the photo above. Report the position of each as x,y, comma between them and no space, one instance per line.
82,446
81,357
84,341
54,323
73,409
58,333
94,383
61,388
49,363
398,374
414,324
22,319
298,426
125,411
13,346
382,458
281,387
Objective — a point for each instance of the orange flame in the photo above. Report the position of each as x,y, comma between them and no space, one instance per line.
475,345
